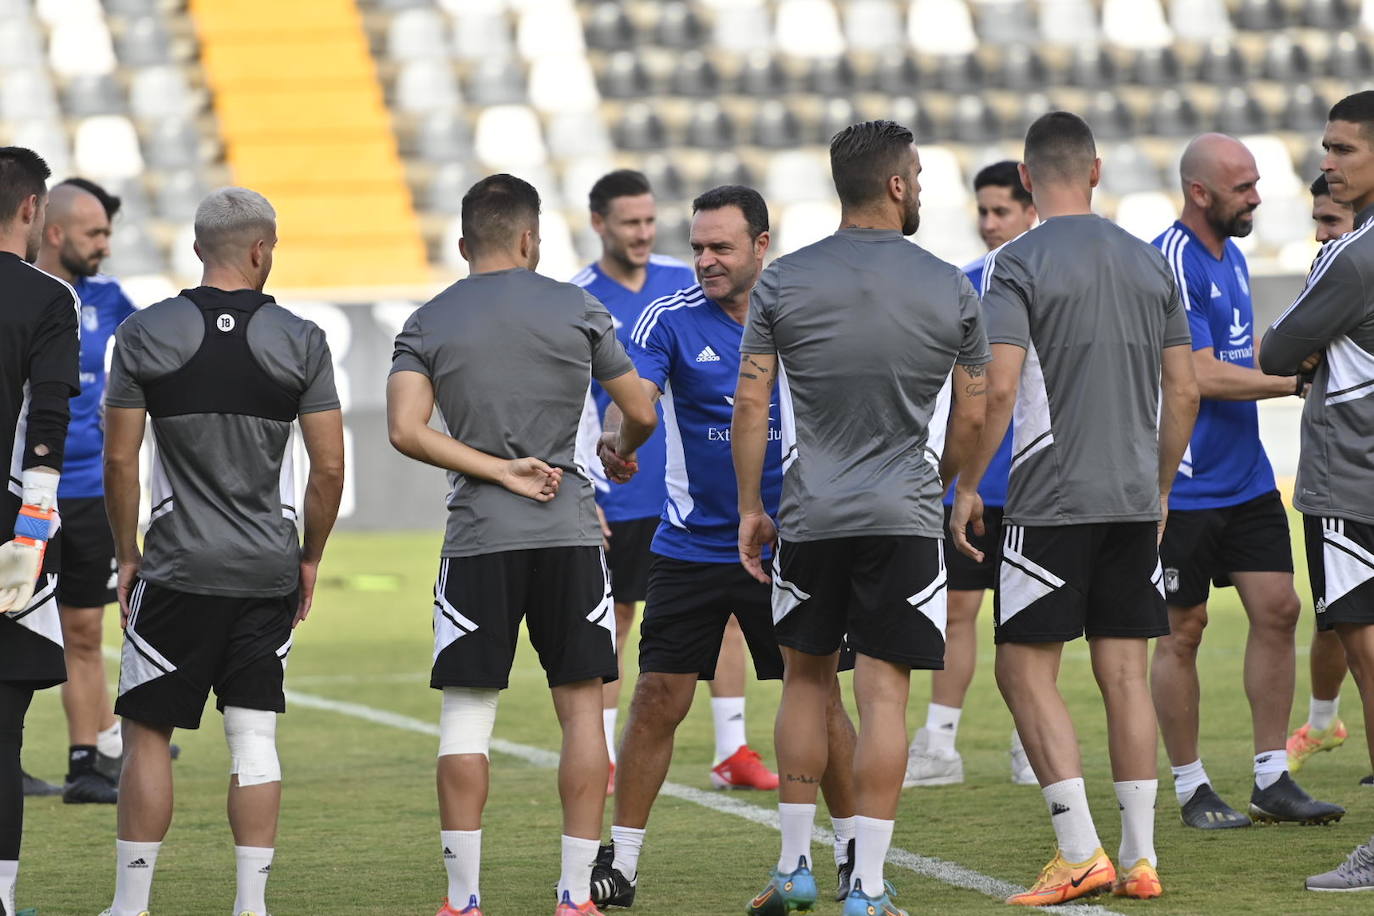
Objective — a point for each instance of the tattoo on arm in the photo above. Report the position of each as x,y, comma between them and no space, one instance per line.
759,370
977,371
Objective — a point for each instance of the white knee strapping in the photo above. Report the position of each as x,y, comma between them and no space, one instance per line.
466,720
252,738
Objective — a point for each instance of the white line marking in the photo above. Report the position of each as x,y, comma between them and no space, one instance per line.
945,872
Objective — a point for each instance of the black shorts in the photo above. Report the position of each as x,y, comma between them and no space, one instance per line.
1340,564
685,615
31,655
1202,547
882,596
178,645
88,556
562,594
628,558
965,574
1057,583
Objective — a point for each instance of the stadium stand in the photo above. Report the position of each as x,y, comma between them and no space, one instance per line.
389,107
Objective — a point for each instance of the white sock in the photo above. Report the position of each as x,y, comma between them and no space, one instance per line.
1321,713
942,725
110,742
871,839
797,821
608,717
254,867
1073,823
1187,778
134,864
1269,766
579,856
729,715
628,843
9,872
1137,800
844,832
463,862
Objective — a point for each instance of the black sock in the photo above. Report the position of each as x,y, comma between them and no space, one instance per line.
80,760
14,703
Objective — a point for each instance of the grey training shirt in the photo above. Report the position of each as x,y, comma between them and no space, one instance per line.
1094,307
510,355
866,327
224,508
1334,314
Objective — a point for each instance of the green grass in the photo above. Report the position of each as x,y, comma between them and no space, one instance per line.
358,830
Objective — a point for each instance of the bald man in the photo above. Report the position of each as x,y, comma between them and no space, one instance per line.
76,239
1227,523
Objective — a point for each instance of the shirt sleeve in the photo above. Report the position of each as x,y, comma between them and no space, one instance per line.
652,353
408,353
53,378
973,349
1006,300
1333,302
609,359
1181,324
763,303
124,306
1193,289
124,385
320,393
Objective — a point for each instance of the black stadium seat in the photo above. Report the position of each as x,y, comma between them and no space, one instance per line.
1022,68
1305,110
1222,64
1174,115
776,126
678,26
1241,113
1157,67
695,75
625,77
641,129
710,127
1091,68
609,27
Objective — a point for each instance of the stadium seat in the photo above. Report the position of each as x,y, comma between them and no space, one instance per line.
896,73
741,27
445,190
942,180
1276,165
1091,67
26,94
1004,22
1199,20
804,222
626,77
1261,15
1349,58
762,75
1305,110
1174,115
134,205
21,44
678,26
1110,117
1022,68
134,251
917,118
1367,15
572,134
173,143
975,121
728,168
1284,218
580,174
1127,170
178,195
49,136
1135,24
182,254
1145,214
1222,64
695,76
497,81
664,177
81,47
443,137
872,25
133,7
940,27
509,137
641,128
798,175
959,73
1241,113
563,82
1327,15
106,146
425,85
776,126
416,34
831,76
948,228
160,92
1157,67
401,4
1286,61
1069,23
609,28
55,12
835,117
84,96
482,34
809,28
143,42
709,127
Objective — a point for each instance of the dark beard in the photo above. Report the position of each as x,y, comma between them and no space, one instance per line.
912,222
77,267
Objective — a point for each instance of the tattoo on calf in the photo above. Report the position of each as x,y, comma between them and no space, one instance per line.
803,779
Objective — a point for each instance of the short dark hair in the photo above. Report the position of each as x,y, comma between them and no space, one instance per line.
1319,187
1060,145
110,202
1357,109
23,173
495,209
864,156
620,183
749,201
1004,174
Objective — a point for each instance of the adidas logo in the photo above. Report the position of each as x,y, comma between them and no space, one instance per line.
1057,809
948,726
1216,293
707,355
739,716
448,853
1265,759
137,863
265,870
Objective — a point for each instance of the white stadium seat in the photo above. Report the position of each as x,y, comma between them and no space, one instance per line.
1200,20
161,92
415,34
549,28
55,12
46,137
1137,24
563,82
742,27
427,85
1068,22
795,175
805,222
107,147
1275,165
482,33
573,134
872,25
941,27
1145,214
81,47
809,28
942,179
510,137
26,93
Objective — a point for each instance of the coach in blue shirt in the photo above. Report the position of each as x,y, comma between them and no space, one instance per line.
1227,524
75,242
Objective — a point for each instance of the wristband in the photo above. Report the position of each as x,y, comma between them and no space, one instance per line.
31,526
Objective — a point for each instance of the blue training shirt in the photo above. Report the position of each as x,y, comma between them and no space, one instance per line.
103,306
1225,464
993,486
643,496
689,347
